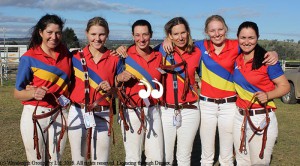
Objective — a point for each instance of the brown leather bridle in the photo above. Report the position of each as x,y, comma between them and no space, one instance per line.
256,130
54,113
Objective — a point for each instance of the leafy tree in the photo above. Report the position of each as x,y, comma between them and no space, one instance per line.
69,38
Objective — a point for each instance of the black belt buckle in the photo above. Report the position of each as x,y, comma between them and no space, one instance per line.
219,101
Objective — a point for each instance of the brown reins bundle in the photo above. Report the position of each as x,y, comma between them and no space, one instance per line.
256,130
112,94
54,113
126,102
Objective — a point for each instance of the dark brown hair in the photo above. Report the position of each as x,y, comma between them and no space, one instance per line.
41,25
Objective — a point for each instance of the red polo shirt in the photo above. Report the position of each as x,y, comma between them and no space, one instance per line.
248,81
132,87
192,66
216,70
37,67
104,70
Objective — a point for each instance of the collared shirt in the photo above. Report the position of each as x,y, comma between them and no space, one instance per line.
38,68
248,81
104,70
192,61
150,66
216,70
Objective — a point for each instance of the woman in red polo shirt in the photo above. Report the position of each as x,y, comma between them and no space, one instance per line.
94,72
141,114
46,67
180,110
257,85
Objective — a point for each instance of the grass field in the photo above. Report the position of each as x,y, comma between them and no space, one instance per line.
286,151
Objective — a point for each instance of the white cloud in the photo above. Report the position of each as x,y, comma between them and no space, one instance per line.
17,3
80,5
12,31
19,19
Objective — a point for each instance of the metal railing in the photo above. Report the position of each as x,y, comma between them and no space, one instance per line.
289,64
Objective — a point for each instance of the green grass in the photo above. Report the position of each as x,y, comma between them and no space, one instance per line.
286,151
11,144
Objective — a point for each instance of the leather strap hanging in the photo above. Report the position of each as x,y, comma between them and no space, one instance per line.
175,83
112,93
126,102
54,113
130,104
121,99
256,130
86,101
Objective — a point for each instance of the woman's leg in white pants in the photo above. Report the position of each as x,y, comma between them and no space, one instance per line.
131,139
186,134
225,126
256,143
242,159
169,132
153,136
101,141
26,127
253,148
77,134
208,125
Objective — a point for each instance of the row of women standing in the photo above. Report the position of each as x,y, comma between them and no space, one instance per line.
46,71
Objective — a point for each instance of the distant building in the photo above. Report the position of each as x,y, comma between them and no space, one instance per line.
12,53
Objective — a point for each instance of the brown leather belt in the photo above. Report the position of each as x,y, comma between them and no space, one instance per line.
255,112
188,105
219,101
98,108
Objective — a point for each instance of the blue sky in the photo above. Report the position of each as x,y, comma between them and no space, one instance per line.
277,19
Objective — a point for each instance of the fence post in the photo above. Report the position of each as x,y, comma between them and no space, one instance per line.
283,64
1,72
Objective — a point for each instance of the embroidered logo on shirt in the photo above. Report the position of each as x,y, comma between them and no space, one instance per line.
237,67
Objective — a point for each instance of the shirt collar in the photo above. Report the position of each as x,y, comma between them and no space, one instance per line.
88,54
39,51
227,46
132,51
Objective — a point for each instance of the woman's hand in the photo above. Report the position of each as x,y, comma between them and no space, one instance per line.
39,93
122,51
262,96
271,58
124,76
168,46
113,53
104,85
30,87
